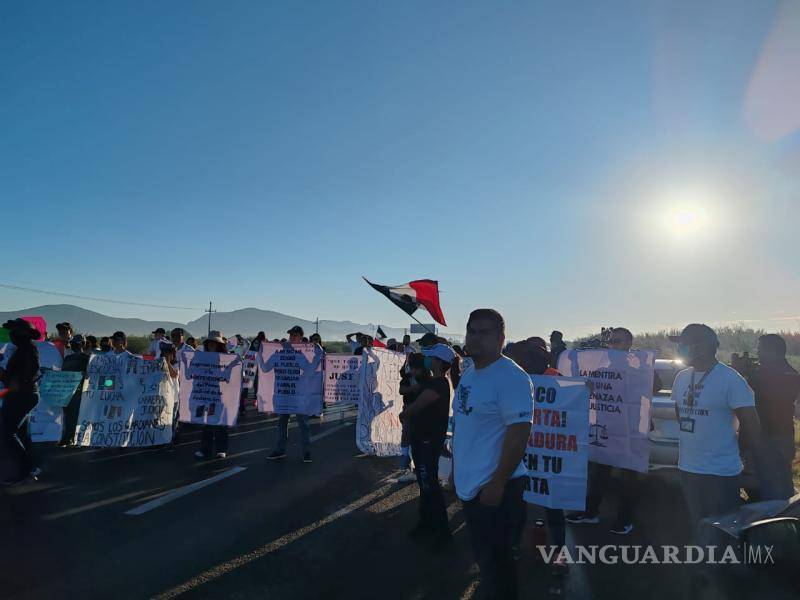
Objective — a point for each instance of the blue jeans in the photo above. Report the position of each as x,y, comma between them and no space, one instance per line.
283,432
432,510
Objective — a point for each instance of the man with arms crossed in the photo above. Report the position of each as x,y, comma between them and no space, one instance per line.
493,408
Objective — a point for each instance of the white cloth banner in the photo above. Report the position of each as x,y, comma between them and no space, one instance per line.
46,421
341,378
619,404
210,384
378,428
128,402
558,448
290,379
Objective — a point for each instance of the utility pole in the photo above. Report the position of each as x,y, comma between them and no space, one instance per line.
317,325
209,311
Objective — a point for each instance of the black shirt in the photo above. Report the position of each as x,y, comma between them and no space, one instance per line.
77,361
430,424
776,388
22,370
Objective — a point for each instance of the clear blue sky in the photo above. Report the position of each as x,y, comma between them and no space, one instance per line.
531,156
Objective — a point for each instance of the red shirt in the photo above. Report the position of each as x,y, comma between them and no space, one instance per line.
61,345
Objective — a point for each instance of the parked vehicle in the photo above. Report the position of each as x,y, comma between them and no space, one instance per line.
663,421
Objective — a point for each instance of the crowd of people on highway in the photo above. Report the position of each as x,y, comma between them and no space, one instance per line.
723,414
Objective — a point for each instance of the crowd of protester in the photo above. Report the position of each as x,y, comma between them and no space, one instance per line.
491,403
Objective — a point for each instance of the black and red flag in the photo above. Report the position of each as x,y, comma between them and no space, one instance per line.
410,296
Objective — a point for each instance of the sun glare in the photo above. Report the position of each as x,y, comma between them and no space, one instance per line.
684,219
685,215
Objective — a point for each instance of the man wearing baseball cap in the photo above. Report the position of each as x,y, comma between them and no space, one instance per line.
64,337
279,453
158,336
708,395
77,362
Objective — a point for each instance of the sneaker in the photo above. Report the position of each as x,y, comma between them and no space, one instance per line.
36,473
622,528
199,455
307,457
407,476
516,553
581,518
276,455
222,455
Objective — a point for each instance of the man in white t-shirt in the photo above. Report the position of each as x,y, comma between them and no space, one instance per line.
493,407
709,397
159,335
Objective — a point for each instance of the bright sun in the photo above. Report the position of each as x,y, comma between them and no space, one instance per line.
685,216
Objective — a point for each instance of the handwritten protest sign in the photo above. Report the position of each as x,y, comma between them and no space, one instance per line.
290,379
341,378
46,421
210,384
56,388
128,402
378,428
558,447
619,405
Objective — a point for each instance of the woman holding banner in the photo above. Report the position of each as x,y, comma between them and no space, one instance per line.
429,414
21,396
214,434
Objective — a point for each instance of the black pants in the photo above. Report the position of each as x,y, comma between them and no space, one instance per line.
432,511
71,412
556,526
16,436
214,434
492,531
599,480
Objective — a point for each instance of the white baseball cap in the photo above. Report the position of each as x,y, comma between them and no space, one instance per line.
441,351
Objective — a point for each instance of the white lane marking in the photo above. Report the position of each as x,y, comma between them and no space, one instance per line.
183,491
240,561
93,505
328,432
313,438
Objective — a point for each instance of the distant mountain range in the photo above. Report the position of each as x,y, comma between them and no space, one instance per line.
246,321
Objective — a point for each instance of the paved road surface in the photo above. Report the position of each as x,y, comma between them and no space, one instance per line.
149,524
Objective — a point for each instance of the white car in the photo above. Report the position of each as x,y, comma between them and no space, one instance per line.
663,422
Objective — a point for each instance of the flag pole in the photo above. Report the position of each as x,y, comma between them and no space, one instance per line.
421,323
